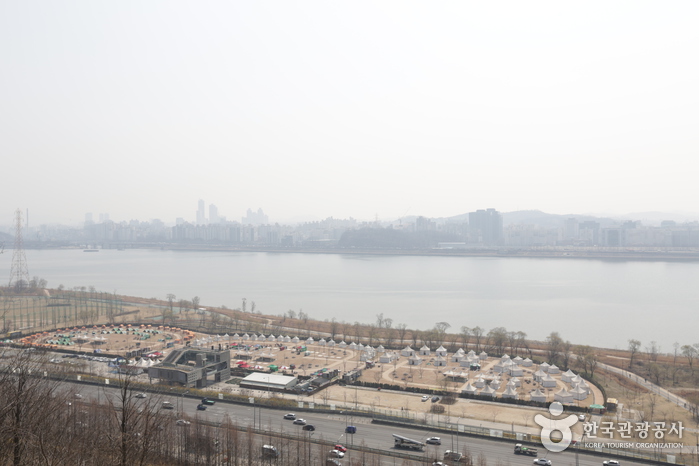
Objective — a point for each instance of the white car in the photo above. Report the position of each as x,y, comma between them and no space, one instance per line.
425,397
336,454
542,462
433,441
141,395
581,418
78,396
182,422
611,463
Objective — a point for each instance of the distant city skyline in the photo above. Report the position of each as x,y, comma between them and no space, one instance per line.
259,216
359,110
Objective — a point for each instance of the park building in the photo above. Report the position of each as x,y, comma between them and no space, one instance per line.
190,367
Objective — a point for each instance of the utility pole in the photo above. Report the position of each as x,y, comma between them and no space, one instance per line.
19,273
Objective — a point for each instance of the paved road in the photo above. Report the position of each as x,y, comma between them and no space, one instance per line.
330,427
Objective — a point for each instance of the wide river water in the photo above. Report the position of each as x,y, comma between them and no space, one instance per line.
596,302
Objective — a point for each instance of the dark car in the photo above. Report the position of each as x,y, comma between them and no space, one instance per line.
309,427
350,430
435,399
201,407
207,401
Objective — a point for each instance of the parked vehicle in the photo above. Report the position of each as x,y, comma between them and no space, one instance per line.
182,422
522,450
425,397
341,448
168,405
452,455
270,451
611,463
309,427
141,395
336,454
542,462
433,441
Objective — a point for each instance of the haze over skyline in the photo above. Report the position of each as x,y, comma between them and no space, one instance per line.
347,110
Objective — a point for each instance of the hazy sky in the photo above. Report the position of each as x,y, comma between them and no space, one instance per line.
312,109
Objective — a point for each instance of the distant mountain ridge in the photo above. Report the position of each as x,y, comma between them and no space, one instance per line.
543,219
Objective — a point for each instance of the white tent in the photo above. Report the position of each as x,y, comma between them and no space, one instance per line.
544,367
322,342
487,391
548,381
425,350
440,361
470,389
553,369
527,363
539,375
509,393
537,395
483,355
414,360
578,393
407,351
380,349
563,396
342,344
567,376
331,343
516,371
480,381
498,368
441,351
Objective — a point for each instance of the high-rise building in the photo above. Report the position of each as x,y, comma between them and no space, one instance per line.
255,218
213,215
485,226
201,213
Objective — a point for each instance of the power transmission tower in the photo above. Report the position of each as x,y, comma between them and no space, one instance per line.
19,274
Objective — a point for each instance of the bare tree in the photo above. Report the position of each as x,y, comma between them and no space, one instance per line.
465,336
554,346
402,330
477,333
634,346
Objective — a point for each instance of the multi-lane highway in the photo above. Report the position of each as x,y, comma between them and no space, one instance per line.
331,428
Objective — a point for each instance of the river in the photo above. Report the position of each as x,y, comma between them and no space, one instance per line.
597,302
